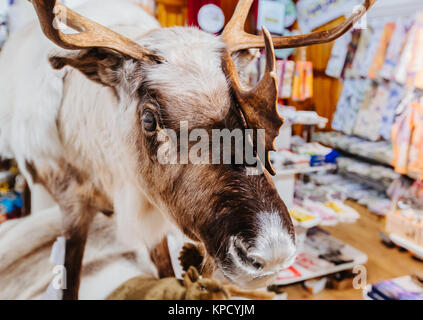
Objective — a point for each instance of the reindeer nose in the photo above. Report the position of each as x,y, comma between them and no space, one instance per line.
271,250
262,261
241,252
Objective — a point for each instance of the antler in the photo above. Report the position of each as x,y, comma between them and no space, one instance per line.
259,105
90,34
237,39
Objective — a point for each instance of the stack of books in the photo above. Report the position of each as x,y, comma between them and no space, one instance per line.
403,288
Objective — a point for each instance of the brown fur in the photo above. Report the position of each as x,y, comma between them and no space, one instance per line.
79,205
160,256
196,255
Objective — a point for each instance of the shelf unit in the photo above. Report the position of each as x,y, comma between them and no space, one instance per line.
285,177
398,240
406,244
303,170
365,158
395,8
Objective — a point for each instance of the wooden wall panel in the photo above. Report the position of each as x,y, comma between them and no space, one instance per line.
326,89
171,12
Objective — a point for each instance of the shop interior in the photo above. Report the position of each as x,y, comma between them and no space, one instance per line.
348,159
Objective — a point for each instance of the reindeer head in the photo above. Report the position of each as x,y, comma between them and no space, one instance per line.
182,79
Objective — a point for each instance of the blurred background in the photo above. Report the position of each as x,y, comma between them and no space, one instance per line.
350,155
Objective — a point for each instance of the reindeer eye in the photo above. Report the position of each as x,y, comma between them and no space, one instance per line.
149,121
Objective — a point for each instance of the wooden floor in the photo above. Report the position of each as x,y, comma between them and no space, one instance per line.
383,263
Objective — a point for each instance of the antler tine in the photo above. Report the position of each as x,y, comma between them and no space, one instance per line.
234,34
237,39
90,34
326,35
259,105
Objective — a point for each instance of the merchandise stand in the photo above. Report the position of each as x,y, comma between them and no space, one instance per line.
406,244
285,178
309,264
377,81
358,155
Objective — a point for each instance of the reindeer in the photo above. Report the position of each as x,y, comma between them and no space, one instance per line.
115,94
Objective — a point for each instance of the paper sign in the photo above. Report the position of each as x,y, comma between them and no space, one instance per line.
315,13
271,14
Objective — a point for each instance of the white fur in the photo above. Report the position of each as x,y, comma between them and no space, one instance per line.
274,249
25,246
273,243
34,97
31,91
200,69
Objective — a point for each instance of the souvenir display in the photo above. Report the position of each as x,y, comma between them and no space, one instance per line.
4,13
211,150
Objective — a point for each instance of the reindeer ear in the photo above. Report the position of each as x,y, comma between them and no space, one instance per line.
244,58
191,276
101,65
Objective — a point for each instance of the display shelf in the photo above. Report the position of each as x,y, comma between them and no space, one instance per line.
362,259
285,180
370,160
406,244
402,288
303,170
308,225
413,175
310,265
307,118
365,158
376,185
